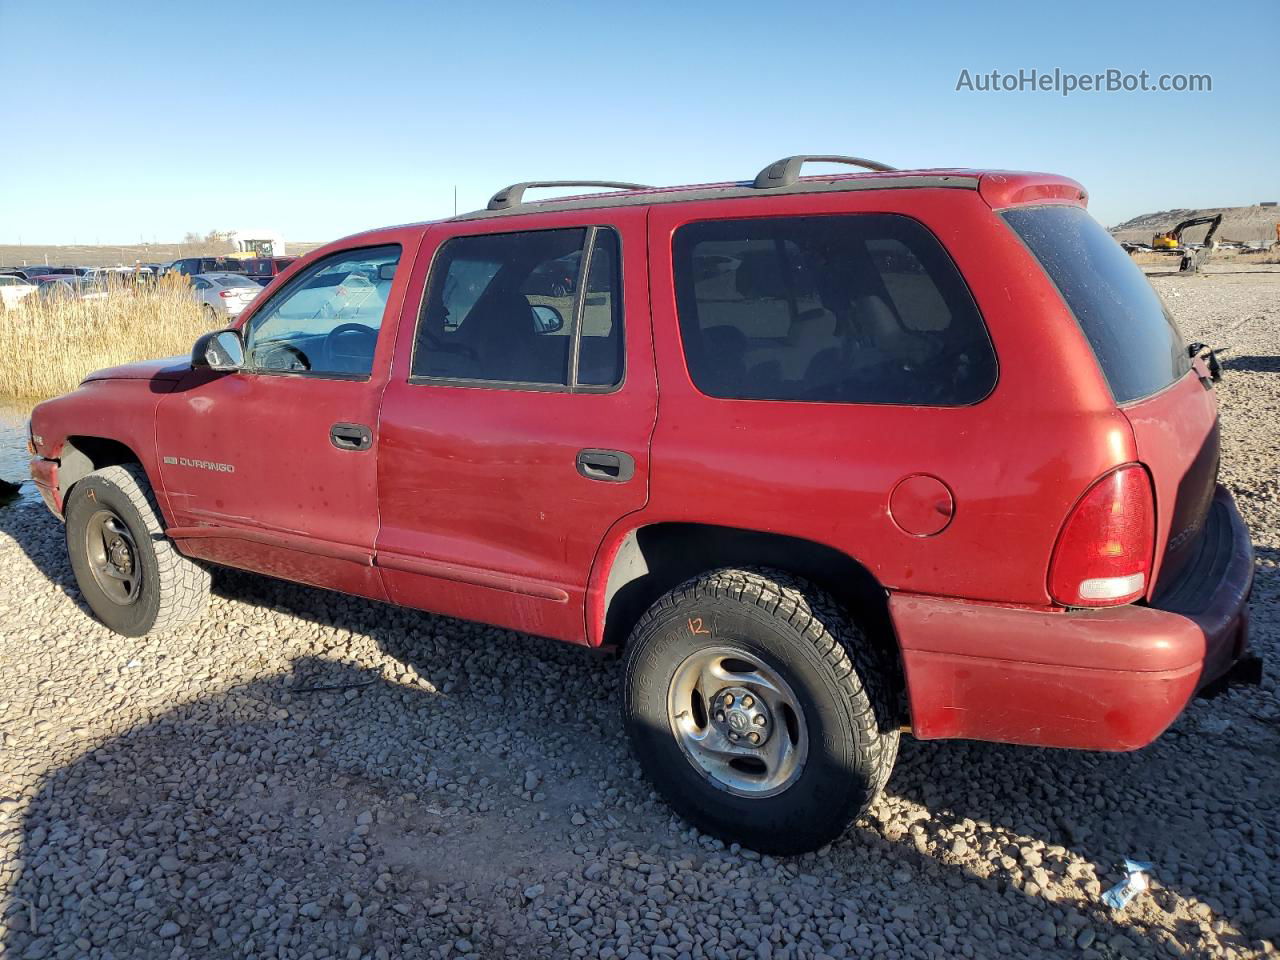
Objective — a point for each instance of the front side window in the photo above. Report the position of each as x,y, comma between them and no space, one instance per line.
326,321
856,308
515,308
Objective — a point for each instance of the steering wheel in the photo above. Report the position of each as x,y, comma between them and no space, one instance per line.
346,329
285,358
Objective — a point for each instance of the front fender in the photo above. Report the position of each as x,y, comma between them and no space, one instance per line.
97,416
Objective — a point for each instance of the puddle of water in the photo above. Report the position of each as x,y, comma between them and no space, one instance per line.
13,448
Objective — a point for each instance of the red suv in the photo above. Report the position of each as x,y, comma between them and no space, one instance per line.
826,457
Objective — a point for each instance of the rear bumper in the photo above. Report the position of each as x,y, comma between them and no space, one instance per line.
1111,679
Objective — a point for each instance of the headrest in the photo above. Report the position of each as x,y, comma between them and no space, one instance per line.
759,276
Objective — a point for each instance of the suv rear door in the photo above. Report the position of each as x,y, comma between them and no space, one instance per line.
515,429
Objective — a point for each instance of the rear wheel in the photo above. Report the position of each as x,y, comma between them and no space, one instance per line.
132,577
758,709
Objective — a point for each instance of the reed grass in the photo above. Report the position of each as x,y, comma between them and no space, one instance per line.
48,346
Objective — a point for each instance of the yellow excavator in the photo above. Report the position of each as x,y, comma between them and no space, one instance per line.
1171,242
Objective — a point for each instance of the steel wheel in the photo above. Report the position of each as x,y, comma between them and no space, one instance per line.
737,721
113,557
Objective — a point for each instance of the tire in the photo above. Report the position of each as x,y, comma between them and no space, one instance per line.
115,506
840,727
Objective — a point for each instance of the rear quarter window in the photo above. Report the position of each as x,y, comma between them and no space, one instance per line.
846,308
1138,345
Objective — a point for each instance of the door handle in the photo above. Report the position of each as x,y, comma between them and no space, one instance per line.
351,436
611,466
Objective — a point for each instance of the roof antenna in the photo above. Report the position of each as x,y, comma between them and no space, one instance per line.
455,199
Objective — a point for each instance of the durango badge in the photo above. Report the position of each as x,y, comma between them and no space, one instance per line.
201,464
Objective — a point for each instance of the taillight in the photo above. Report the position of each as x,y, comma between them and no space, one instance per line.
1103,556
224,294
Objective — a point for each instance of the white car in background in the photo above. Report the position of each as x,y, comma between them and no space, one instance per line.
13,290
224,295
71,288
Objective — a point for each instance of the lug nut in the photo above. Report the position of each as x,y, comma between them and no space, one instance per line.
728,700
748,702
755,738
733,736
720,717
758,720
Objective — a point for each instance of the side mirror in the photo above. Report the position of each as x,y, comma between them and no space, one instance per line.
546,319
387,271
221,350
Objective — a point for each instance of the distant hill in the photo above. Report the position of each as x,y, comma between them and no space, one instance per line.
12,255
1238,223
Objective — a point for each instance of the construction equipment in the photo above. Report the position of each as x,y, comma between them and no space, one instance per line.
1171,242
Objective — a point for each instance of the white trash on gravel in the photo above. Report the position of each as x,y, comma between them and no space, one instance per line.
1135,882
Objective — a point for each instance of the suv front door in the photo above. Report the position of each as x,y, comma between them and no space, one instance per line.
515,428
272,468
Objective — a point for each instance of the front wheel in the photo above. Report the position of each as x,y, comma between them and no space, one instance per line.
758,710
129,573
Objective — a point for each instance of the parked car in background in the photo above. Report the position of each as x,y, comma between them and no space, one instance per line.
43,270
191,266
265,269
13,290
224,294
56,286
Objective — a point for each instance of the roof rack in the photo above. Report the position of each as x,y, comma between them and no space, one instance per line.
784,172
513,195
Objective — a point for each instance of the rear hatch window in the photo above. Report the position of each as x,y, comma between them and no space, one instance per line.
1138,345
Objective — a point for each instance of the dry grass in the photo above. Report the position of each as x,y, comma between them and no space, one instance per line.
49,346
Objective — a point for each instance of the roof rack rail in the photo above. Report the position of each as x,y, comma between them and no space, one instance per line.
513,195
784,172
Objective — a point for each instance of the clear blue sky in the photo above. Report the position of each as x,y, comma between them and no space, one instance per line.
149,119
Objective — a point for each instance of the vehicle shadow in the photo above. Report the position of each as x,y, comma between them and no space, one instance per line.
231,824
1252,363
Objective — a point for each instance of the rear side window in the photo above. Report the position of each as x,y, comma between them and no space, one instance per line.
519,309
859,308
1136,341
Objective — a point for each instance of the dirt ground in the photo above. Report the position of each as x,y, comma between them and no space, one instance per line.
307,775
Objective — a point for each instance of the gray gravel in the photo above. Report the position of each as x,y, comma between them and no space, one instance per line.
202,794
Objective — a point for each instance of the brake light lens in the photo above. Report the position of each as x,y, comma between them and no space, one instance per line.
1103,556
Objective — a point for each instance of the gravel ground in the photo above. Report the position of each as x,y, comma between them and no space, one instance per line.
468,792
